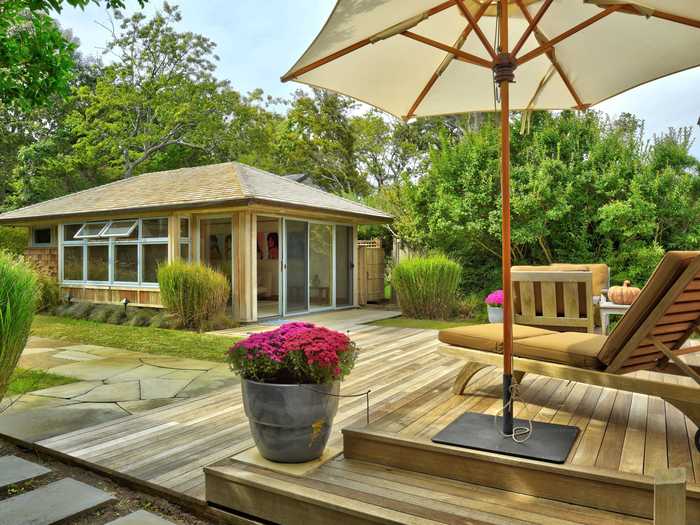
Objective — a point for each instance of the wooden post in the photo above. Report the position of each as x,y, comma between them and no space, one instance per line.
669,497
173,238
505,230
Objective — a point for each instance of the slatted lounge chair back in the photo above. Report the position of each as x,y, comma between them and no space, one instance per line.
662,318
553,299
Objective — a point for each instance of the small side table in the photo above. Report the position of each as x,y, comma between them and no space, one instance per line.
606,309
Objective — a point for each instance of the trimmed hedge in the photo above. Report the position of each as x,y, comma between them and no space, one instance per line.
427,287
194,293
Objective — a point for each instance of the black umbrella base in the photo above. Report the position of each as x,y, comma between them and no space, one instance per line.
547,442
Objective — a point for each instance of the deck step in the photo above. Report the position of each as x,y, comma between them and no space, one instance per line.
57,501
140,517
15,470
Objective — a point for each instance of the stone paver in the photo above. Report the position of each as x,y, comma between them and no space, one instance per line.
97,370
76,355
113,392
43,423
158,388
180,363
134,407
212,380
141,372
52,503
140,517
68,391
10,405
15,470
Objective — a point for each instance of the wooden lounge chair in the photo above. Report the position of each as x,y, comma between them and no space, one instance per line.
650,336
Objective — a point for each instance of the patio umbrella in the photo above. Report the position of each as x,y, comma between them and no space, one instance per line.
415,58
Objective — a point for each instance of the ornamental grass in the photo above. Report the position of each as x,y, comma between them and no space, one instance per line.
18,301
194,293
427,287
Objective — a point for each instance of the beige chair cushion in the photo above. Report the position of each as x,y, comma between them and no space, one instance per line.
569,348
488,337
664,277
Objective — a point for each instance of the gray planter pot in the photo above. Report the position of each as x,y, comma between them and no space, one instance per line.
495,314
290,423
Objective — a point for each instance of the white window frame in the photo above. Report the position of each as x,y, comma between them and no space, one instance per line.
80,235
105,232
111,242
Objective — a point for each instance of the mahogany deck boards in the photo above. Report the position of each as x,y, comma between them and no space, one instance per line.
167,448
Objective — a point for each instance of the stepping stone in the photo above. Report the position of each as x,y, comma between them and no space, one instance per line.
135,407
112,393
97,370
68,391
162,388
15,470
52,503
142,372
140,517
76,355
42,423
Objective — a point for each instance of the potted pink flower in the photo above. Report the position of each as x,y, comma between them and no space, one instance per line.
494,306
290,382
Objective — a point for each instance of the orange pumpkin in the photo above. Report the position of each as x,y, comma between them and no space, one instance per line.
624,294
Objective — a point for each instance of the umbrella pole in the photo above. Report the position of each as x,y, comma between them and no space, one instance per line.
505,229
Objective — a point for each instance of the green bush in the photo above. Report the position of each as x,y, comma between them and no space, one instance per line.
193,292
13,239
18,299
164,320
427,286
49,292
470,307
140,316
79,310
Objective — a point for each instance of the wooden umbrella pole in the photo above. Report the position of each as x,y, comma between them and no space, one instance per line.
504,84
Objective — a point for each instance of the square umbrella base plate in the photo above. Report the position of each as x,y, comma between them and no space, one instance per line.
547,442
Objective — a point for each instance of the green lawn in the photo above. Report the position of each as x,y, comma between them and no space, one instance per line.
406,322
23,381
158,341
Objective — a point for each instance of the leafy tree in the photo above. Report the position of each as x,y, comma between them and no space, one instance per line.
160,93
317,138
35,57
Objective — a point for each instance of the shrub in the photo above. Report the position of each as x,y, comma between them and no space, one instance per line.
79,310
193,292
49,292
427,286
294,353
469,307
13,239
140,317
165,320
18,299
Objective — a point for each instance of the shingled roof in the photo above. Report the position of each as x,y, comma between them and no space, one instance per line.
229,183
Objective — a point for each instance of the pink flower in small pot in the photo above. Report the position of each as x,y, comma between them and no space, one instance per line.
495,298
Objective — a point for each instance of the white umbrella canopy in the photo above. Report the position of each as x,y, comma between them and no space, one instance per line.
395,54
415,58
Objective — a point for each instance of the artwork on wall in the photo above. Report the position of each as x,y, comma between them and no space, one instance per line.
268,245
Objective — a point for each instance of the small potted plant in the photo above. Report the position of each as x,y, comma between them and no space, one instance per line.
494,306
290,382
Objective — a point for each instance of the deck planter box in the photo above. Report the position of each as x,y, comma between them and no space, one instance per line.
290,423
291,384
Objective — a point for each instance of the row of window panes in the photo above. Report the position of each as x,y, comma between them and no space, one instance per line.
125,252
127,229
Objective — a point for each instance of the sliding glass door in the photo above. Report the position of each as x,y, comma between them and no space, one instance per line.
296,266
343,266
321,265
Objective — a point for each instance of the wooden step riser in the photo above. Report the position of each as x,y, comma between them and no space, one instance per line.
626,494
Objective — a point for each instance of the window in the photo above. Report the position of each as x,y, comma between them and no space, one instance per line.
153,255
184,239
98,262
119,251
41,236
184,251
90,230
126,263
73,263
154,228
184,228
121,229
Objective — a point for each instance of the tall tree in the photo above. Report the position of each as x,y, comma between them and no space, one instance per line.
159,94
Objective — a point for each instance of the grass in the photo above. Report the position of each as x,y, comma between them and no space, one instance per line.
158,341
426,324
24,380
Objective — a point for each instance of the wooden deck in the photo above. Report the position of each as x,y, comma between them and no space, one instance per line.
167,448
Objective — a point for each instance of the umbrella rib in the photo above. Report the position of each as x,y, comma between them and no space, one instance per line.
542,39
359,44
670,17
532,23
458,53
445,62
474,23
566,34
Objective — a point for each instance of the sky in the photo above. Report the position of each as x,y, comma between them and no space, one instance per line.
259,41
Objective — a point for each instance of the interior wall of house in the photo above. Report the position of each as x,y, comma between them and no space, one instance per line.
268,265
